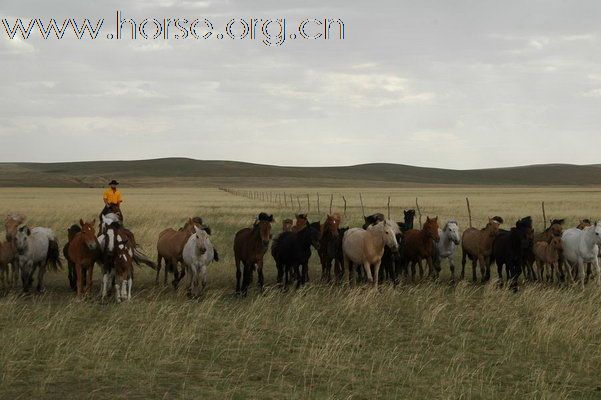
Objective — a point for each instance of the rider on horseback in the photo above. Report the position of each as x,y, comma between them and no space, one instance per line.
112,199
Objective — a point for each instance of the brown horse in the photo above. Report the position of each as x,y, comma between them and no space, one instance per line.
250,245
11,224
170,247
7,259
548,253
418,245
71,232
553,231
477,245
328,251
84,251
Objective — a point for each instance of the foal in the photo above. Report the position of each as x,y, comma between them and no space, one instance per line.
548,253
84,251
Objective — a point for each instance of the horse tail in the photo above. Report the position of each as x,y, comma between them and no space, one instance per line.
141,258
53,257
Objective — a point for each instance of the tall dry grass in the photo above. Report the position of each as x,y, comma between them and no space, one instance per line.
431,340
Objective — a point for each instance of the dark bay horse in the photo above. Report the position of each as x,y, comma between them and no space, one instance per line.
510,248
250,245
418,245
84,251
327,247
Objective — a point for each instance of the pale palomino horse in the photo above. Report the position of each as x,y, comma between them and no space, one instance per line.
198,253
581,247
447,245
36,249
365,247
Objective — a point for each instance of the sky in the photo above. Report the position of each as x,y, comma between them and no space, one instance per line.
461,85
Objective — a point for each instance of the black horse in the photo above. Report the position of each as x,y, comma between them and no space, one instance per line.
409,216
291,252
510,249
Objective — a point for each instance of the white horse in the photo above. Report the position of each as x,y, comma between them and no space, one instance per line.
36,249
581,247
198,253
366,247
447,245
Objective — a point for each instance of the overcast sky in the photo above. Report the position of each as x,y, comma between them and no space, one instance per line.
462,84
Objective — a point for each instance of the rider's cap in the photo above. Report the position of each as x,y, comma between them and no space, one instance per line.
113,182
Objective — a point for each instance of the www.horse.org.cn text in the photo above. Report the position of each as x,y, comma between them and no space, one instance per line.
269,31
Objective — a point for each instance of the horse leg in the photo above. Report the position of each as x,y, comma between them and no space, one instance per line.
581,272
367,269
431,269
79,273
483,263
540,270
452,268
246,278
105,284
238,275
377,274
41,273
597,270
349,264
89,276
474,266
260,277
159,266
463,261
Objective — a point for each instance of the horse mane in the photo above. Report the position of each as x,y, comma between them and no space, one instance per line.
525,222
263,216
451,221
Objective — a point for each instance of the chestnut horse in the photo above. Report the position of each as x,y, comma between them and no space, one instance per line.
84,251
250,246
477,245
327,247
418,245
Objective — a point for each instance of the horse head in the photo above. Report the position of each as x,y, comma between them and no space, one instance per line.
389,232
12,223
452,230
431,228
332,224
409,216
21,238
287,225
88,234
493,226
201,240
262,225
556,227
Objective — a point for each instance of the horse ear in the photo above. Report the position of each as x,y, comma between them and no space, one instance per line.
28,232
94,221
81,222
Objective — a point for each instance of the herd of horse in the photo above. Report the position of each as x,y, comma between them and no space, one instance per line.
380,250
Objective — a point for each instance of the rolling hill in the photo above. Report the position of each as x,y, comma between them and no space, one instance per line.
189,172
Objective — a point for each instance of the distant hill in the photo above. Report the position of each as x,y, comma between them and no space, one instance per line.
188,172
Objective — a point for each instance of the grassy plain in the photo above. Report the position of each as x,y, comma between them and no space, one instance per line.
431,340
